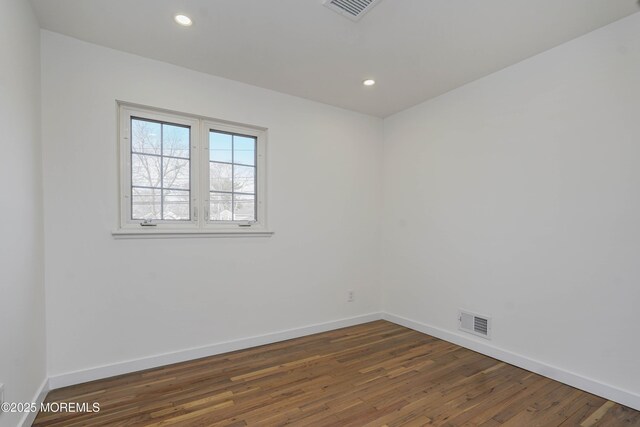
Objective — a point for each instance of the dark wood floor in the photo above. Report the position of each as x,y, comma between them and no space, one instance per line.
377,374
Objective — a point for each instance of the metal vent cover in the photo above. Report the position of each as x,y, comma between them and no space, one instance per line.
474,324
352,9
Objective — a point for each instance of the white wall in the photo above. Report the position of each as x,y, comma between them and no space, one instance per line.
518,196
114,300
22,340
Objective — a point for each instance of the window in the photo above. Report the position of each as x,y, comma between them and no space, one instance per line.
183,174
160,170
232,176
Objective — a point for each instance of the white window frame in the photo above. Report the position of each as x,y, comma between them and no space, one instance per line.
199,225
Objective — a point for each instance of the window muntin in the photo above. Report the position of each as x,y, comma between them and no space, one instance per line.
232,177
160,170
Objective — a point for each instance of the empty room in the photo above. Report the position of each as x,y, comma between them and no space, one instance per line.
320,213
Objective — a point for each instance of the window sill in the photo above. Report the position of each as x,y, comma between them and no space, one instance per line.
169,234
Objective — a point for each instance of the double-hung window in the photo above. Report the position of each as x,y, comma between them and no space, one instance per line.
183,174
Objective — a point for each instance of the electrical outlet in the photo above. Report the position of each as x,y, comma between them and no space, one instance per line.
351,296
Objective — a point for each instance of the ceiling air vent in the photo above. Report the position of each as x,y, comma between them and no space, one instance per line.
475,324
352,9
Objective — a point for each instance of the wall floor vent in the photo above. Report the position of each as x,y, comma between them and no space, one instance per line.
352,9
474,324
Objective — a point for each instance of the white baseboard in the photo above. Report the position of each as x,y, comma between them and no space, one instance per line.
29,417
581,382
598,388
100,372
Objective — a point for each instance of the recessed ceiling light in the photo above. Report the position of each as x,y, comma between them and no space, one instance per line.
369,82
183,20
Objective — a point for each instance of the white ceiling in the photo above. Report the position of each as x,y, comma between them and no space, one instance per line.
415,49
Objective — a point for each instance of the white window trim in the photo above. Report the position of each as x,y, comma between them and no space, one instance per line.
199,225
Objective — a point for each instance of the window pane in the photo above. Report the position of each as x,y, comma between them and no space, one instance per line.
176,205
244,150
244,208
244,179
176,173
175,141
220,147
145,170
220,207
145,136
220,177
145,203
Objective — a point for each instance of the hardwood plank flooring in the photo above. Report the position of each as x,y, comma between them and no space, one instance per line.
376,374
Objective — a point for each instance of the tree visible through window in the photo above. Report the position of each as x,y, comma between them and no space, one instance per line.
160,171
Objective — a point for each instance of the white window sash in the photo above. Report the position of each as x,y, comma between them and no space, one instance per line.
260,190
